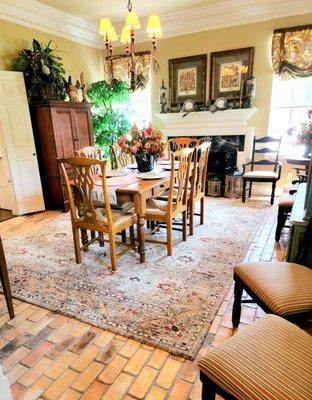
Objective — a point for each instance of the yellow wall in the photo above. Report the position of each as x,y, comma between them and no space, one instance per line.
76,57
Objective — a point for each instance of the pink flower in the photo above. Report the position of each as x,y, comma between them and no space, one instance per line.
310,113
122,142
133,149
162,154
148,131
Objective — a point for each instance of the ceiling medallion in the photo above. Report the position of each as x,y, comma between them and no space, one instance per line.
137,66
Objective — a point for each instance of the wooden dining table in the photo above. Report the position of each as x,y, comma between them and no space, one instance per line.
131,188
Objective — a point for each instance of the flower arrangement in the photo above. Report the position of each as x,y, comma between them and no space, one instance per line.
145,144
306,130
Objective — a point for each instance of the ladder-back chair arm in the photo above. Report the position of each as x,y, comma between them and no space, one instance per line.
245,164
279,166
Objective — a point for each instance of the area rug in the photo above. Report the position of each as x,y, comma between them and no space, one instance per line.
168,302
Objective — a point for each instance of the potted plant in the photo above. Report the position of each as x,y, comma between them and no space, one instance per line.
305,136
43,72
145,144
108,122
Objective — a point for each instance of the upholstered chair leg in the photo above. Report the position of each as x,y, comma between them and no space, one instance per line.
202,211
250,187
281,220
169,238
101,235
208,390
112,247
184,225
236,313
132,238
124,236
273,193
244,191
77,245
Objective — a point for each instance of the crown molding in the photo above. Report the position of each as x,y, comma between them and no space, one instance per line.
36,15
39,16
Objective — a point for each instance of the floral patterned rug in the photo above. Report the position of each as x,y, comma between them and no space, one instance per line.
168,302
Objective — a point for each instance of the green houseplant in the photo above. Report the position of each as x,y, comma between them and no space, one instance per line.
43,71
108,122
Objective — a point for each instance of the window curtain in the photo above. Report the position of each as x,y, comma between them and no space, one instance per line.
292,52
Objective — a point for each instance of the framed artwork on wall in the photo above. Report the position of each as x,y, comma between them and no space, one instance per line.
228,70
187,79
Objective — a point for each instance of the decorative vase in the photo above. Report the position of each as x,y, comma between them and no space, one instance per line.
307,148
145,162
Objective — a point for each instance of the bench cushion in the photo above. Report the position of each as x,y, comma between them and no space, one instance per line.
269,360
286,200
261,175
286,288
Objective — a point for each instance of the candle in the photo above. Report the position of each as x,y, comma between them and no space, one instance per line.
81,79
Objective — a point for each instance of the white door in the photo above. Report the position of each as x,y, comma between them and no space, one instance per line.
19,142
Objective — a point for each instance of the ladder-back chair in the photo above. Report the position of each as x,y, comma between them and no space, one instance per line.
85,215
263,175
179,143
118,158
176,202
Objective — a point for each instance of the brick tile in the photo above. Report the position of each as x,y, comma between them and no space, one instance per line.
71,395
129,348
83,342
103,340
14,358
58,334
108,353
17,391
189,371
60,347
113,369
19,329
168,373
85,358
20,317
180,391
135,364
38,338
38,315
80,329
248,315
196,393
60,365
36,390
87,377
17,371
215,323
156,393
60,386
143,382
14,344
58,321
35,372
95,391
39,326
158,358
221,335
119,388
35,355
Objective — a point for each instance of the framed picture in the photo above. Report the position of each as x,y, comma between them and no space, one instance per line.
187,79
227,71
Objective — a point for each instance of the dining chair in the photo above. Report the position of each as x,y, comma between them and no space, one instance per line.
118,158
92,152
263,175
88,216
179,143
176,201
280,288
198,183
4,277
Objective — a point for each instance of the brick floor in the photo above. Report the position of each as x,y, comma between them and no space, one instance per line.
49,356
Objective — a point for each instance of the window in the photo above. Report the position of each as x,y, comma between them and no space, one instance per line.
139,111
290,102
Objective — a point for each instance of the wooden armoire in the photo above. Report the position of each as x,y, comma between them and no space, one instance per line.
60,127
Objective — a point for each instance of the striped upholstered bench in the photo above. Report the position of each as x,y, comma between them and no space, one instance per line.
269,360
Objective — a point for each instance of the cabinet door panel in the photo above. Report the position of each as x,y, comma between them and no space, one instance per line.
83,129
64,132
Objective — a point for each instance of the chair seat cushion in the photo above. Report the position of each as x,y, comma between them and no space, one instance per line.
286,288
286,200
261,175
269,360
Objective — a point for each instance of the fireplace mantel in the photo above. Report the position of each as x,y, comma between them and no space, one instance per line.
206,123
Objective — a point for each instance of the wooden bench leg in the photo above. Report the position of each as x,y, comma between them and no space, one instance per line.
244,191
281,221
5,282
237,306
209,389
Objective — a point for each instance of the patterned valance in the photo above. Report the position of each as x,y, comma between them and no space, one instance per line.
292,52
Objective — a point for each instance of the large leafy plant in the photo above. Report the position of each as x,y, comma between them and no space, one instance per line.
108,122
43,71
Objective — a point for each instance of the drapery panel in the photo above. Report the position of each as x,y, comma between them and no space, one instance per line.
292,52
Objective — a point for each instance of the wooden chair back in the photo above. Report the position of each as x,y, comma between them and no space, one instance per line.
199,171
179,179
261,147
179,143
92,152
118,158
84,214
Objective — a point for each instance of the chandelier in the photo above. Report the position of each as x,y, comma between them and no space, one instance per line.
134,64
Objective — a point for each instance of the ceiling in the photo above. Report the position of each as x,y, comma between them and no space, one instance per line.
93,10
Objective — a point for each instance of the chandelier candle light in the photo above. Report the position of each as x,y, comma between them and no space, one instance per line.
132,24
